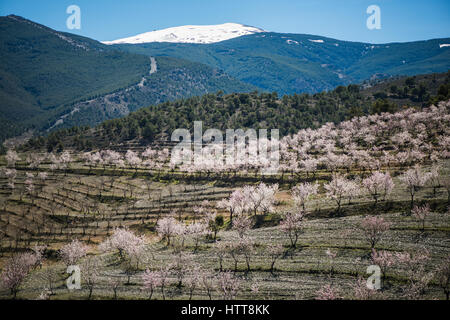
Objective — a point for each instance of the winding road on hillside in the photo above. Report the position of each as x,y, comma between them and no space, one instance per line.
60,121
153,65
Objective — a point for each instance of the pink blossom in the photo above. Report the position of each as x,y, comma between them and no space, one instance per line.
303,191
151,280
327,293
72,252
373,228
228,285
15,271
242,224
292,224
378,184
421,213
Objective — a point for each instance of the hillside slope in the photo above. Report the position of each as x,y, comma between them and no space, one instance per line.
295,63
253,110
46,76
174,79
43,69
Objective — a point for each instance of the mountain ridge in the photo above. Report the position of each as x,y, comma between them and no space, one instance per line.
296,63
200,34
45,75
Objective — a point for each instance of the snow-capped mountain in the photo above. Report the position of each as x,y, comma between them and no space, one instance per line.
192,34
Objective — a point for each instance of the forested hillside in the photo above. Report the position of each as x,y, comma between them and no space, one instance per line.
51,79
255,110
42,70
297,63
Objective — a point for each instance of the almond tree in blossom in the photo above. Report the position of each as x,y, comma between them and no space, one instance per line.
193,281
131,248
72,252
15,270
340,188
92,159
42,176
260,198
163,275
11,175
196,231
133,159
234,251
302,192
213,222
384,259
435,178
181,263
114,284
112,158
55,162
361,291
220,250
228,285
246,248
309,165
34,160
373,229
443,276
236,204
135,253
151,280
292,225
11,158
29,185
38,253
65,159
275,251
167,228
328,292
90,271
242,224
180,235
267,193
421,213
378,185
414,179
415,267
207,280
198,211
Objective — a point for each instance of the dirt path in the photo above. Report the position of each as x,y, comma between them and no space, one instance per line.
153,66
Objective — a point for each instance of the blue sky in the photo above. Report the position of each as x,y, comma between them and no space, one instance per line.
342,19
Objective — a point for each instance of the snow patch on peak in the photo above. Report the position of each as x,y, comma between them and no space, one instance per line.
317,41
192,34
289,41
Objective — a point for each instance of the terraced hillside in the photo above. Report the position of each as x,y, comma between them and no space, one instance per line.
370,191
